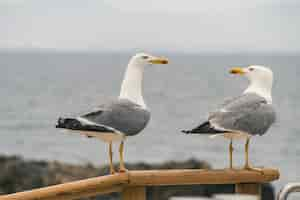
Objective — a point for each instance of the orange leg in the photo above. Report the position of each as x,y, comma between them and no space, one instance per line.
230,155
121,151
111,166
247,166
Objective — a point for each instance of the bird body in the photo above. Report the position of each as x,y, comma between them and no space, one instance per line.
246,115
121,117
126,116
249,114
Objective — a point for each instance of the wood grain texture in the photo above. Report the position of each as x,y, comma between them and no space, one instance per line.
136,180
249,188
74,190
190,177
134,193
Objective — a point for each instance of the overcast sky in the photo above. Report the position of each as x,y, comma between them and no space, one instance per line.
179,25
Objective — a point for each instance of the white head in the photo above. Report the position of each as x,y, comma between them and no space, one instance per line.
132,84
261,80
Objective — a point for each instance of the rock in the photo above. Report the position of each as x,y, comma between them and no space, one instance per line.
19,175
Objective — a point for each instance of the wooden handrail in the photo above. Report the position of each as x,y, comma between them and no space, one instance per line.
74,190
201,176
139,179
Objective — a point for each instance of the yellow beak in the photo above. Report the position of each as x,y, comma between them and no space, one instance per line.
159,61
237,70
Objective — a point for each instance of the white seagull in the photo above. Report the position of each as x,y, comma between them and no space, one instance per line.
246,115
126,116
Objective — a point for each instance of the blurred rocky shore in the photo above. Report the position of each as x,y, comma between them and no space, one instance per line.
18,175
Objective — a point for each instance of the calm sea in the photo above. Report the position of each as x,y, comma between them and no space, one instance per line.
36,88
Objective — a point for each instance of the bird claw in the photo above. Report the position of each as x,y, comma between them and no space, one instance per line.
112,171
123,170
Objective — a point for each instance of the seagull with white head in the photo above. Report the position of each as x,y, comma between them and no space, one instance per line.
261,80
126,116
244,116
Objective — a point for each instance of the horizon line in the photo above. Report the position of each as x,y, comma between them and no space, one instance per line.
168,51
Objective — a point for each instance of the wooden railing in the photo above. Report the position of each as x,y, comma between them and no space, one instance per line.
132,184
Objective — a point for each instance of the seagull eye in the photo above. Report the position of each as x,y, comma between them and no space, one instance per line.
145,57
251,69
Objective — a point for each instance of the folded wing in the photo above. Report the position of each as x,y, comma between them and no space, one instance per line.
248,113
116,116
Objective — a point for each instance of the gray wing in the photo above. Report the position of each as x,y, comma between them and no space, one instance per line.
121,115
248,113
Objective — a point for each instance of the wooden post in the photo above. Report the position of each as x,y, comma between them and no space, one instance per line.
249,188
134,193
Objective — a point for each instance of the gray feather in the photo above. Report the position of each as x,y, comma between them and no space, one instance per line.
248,113
122,115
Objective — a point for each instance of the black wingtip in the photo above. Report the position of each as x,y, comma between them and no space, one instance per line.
186,131
60,123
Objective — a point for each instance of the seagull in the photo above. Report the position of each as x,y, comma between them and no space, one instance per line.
246,115
125,116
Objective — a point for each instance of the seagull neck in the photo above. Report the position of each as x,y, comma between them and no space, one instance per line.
132,84
262,89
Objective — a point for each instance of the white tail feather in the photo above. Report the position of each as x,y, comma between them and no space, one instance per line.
215,135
